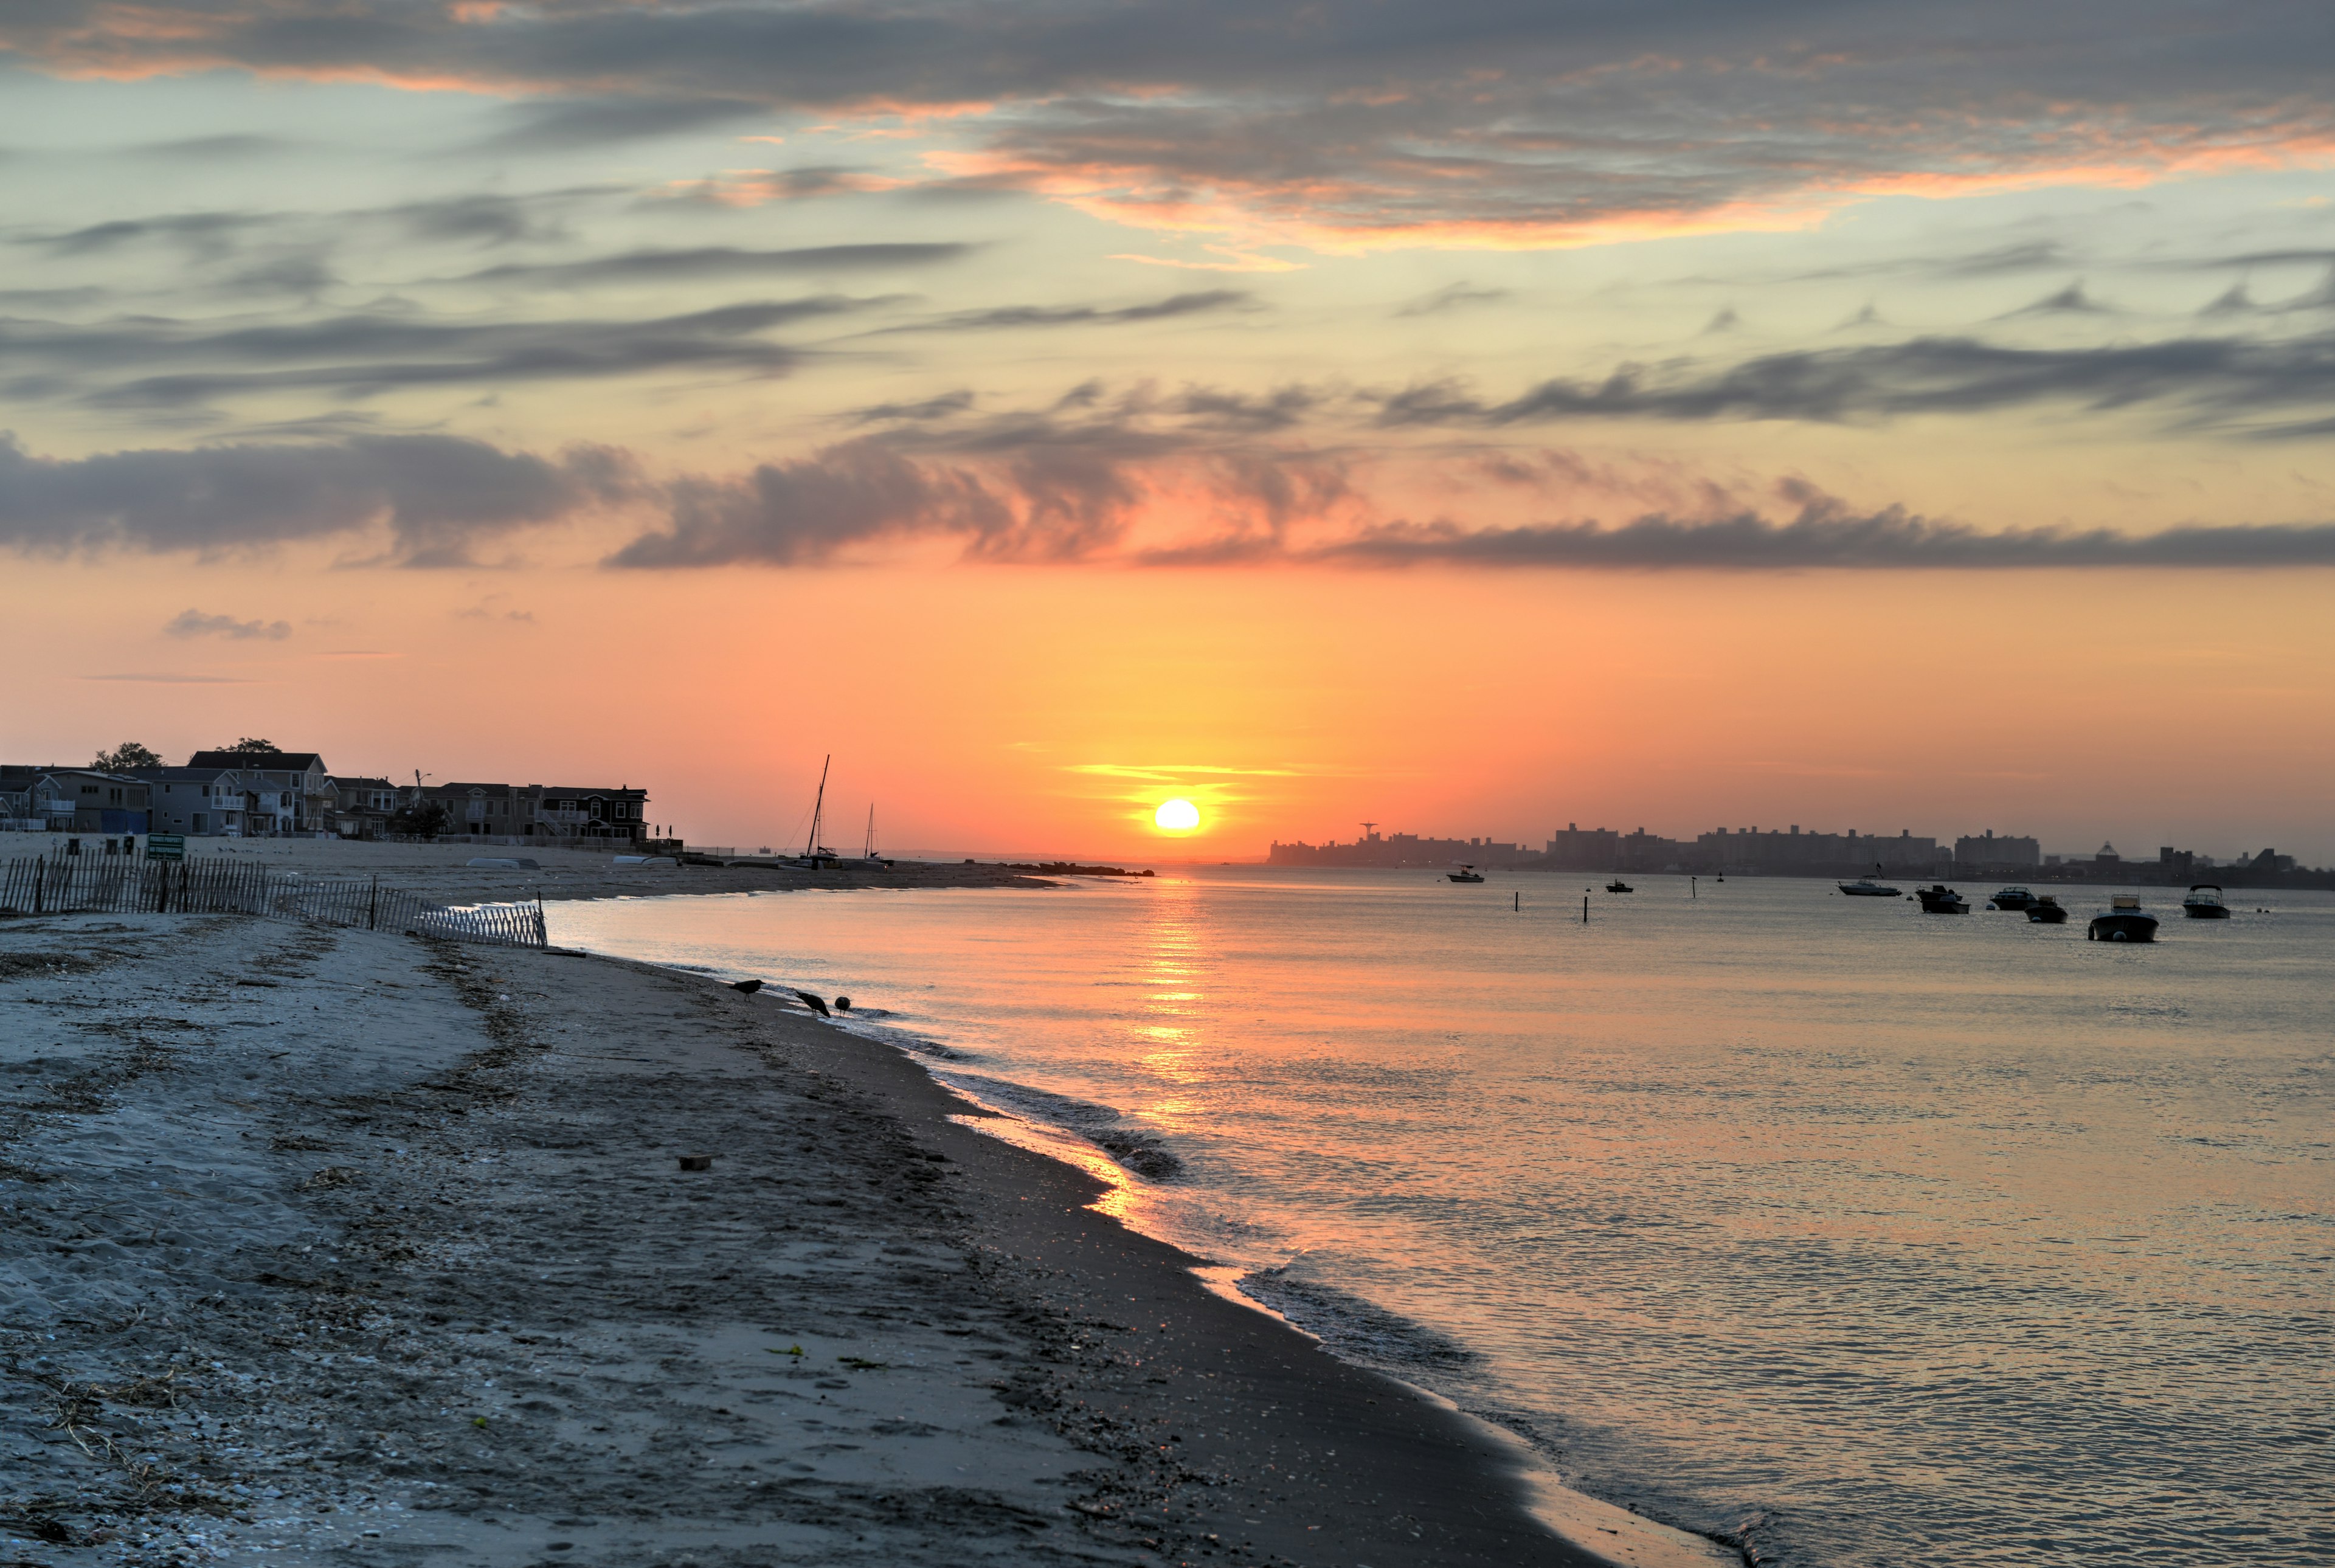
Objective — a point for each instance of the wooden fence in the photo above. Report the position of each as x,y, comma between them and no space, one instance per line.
215,885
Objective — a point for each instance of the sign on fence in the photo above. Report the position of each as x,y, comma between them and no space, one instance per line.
166,846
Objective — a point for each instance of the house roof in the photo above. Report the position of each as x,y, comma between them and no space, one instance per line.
274,761
177,775
362,783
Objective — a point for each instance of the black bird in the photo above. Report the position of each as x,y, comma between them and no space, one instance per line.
748,986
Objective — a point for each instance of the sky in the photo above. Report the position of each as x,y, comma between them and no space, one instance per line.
1473,418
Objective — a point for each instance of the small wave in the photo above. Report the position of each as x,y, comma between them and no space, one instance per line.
1131,1144
1358,1329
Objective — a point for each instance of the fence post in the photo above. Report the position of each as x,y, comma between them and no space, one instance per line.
372,905
40,869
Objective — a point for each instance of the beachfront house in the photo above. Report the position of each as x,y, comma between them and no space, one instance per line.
200,803
363,806
75,799
284,793
596,815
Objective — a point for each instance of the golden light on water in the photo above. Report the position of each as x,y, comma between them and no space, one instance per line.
1177,816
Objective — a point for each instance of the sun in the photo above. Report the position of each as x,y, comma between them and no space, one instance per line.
1178,816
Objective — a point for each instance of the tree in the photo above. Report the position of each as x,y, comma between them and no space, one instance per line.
426,819
247,747
128,755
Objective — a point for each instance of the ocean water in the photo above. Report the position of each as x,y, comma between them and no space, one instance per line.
1851,1234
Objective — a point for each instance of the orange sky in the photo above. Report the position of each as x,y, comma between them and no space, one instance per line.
1029,709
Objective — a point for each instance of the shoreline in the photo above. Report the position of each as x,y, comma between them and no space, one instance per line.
489,1180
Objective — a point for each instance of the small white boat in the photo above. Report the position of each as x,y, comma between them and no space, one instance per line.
1867,887
1467,873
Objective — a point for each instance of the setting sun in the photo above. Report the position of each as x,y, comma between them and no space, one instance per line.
1178,815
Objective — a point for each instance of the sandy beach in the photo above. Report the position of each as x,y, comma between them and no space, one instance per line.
333,1246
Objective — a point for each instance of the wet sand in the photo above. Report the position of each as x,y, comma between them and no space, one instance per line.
438,871
333,1246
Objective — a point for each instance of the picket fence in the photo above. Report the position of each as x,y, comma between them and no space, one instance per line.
214,885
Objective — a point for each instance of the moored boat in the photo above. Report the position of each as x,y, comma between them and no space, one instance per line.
2010,898
1869,886
1940,899
2046,911
1467,873
1618,885
2204,903
2124,921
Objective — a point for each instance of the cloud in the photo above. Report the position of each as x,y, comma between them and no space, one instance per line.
2069,301
559,125
1043,316
151,361
2205,380
437,497
191,622
940,406
718,261
175,679
1827,534
804,511
1452,296
1493,123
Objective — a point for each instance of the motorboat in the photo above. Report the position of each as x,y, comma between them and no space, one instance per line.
1871,887
1940,899
2010,898
2046,911
2124,921
1618,885
2204,903
1467,873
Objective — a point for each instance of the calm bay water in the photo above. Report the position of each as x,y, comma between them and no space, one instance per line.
1862,1236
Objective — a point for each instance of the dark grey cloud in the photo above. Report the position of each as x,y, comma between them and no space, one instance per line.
792,513
193,622
719,261
558,124
2238,383
1364,119
2069,301
1198,303
159,363
1825,534
940,406
437,497
204,234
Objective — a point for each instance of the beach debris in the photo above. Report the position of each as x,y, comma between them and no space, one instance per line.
790,1351
843,1004
862,1364
695,1161
746,987
816,1004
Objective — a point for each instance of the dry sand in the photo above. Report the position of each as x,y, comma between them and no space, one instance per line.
339,1247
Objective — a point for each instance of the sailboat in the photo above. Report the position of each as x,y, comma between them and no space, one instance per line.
818,856
867,855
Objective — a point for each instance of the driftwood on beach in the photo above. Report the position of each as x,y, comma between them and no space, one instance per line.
214,885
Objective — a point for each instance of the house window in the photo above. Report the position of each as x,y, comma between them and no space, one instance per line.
199,827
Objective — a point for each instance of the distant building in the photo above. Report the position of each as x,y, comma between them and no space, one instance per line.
1989,855
1579,848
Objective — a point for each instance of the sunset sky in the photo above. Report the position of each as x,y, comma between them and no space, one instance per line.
1471,417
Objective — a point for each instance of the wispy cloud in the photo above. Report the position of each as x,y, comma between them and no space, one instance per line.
191,622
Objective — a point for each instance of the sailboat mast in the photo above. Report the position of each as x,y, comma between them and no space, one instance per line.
811,850
869,852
